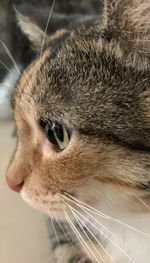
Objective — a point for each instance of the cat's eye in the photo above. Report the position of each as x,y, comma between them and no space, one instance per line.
57,135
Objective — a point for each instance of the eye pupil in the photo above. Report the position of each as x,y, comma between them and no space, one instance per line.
50,133
59,132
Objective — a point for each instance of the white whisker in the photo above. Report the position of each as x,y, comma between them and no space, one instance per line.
14,63
100,224
114,243
67,234
142,202
80,237
5,66
80,224
96,212
10,56
54,229
48,20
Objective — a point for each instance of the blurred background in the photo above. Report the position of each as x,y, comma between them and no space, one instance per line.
23,233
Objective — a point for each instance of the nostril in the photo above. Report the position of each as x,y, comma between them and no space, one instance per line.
14,185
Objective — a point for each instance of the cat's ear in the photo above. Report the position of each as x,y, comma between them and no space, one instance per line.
32,30
129,21
34,23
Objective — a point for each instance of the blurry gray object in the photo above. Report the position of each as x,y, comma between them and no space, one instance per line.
5,91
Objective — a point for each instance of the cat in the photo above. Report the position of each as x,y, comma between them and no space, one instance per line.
82,111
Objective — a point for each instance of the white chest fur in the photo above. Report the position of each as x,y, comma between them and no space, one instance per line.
125,241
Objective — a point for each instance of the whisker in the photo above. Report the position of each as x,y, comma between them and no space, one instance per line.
80,224
114,243
80,237
142,202
85,210
48,20
94,211
54,229
5,66
10,56
13,61
87,236
67,234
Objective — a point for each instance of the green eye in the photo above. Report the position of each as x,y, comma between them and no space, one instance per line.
57,135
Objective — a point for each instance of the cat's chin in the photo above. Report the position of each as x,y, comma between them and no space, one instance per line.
54,212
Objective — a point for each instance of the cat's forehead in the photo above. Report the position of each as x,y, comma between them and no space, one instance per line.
55,76
55,89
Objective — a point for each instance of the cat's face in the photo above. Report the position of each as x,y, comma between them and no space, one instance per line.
83,124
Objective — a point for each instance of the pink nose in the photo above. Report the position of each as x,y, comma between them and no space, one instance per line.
14,185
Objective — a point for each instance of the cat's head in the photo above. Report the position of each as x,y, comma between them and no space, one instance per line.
82,111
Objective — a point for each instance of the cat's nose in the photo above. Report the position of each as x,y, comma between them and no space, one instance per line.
14,185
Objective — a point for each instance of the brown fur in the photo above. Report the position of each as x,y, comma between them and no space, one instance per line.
96,81
99,102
